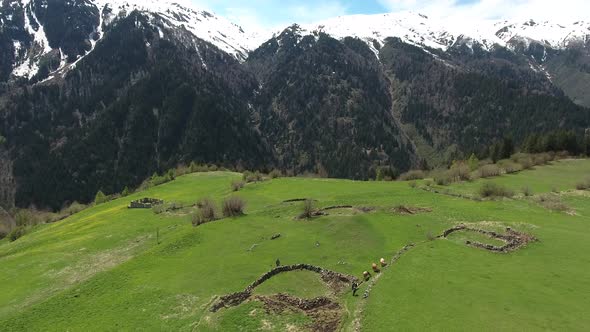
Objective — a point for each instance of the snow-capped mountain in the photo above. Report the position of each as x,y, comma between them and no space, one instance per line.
442,34
34,35
89,19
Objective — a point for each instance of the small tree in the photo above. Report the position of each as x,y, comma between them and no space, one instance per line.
2,139
307,209
379,176
125,192
100,198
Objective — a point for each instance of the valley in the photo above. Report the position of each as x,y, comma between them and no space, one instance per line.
110,267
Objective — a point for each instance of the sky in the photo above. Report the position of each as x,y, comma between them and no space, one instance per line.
276,14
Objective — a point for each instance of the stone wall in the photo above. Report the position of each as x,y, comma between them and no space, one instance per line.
327,276
145,203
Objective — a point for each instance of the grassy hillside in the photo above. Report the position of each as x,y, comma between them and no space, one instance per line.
112,268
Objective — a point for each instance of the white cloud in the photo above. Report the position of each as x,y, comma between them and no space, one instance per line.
560,10
254,15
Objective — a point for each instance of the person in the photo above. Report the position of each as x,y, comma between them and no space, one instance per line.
355,288
366,275
383,262
278,262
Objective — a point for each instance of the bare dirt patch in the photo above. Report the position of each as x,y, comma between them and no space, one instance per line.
336,281
325,314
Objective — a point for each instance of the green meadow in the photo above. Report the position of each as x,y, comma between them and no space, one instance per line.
110,268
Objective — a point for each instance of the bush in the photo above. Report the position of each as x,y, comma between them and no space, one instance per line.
17,233
412,175
524,159
171,206
488,171
583,185
157,180
562,155
74,208
26,218
460,172
196,168
473,162
233,206
527,191
275,173
252,177
413,184
485,162
100,198
526,163
490,189
442,178
237,185
542,158
553,202
511,168
207,212
308,209
182,170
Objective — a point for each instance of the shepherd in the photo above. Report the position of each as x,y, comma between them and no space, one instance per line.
355,288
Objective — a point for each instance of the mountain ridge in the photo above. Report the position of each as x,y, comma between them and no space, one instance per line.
411,27
129,89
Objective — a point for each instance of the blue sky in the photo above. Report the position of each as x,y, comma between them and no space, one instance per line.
270,14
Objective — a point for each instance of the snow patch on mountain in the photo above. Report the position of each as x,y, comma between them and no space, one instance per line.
421,30
220,32
29,67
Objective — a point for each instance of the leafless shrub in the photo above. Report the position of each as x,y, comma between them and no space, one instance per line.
233,206
488,171
207,212
237,185
511,167
308,209
275,173
460,172
553,202
583,185
252,177
442,178
491,189
527,191
412,175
